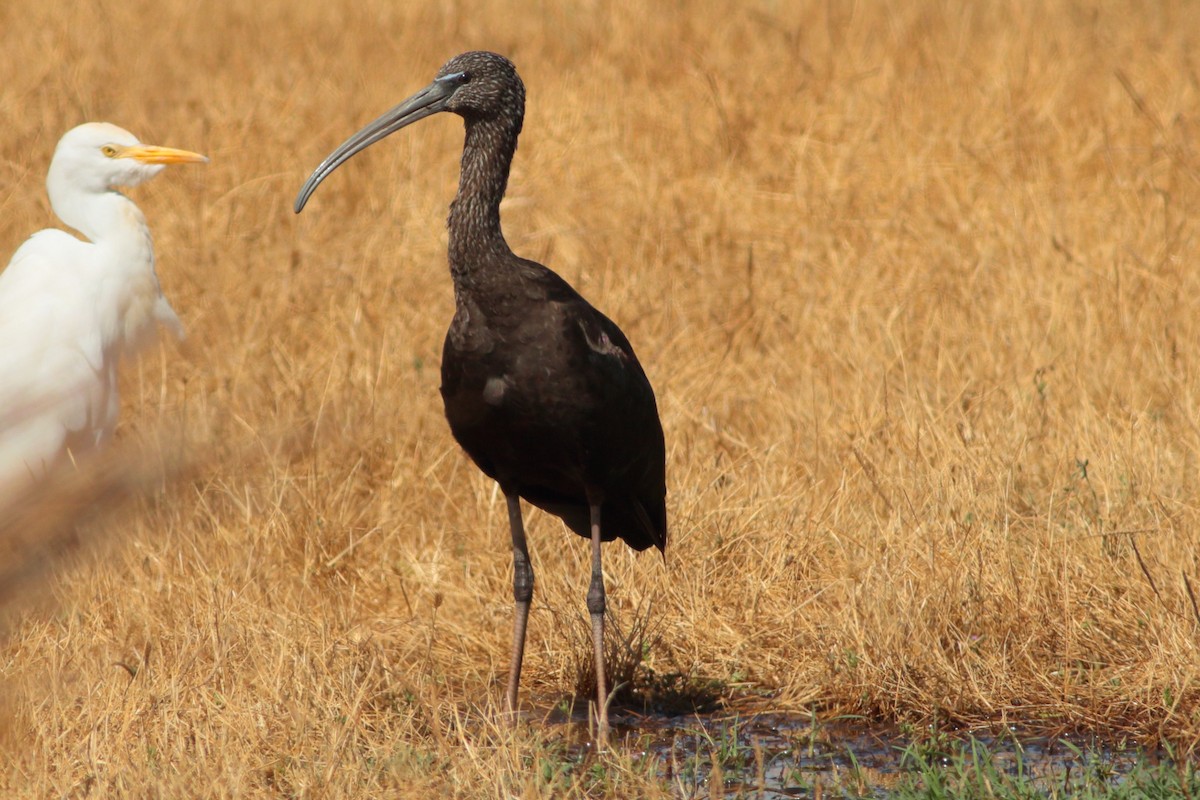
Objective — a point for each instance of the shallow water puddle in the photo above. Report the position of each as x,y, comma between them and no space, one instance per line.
775,756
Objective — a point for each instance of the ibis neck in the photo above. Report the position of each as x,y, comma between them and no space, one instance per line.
474,221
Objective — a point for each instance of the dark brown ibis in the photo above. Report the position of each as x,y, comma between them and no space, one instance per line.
543,391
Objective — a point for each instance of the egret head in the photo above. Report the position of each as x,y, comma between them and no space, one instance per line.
90,161
97,156
477,86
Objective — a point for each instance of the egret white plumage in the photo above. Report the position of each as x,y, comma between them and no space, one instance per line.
71,308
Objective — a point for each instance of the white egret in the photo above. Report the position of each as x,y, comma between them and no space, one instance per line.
71,309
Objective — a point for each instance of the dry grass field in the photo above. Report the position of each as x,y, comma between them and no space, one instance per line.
916,284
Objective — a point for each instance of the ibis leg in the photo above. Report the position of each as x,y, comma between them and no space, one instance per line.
522,594
595,604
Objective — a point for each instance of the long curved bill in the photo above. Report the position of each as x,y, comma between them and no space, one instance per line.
153,154
429,100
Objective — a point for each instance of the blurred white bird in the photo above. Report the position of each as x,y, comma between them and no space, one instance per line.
70,309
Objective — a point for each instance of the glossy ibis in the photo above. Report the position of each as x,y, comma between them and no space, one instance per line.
543,391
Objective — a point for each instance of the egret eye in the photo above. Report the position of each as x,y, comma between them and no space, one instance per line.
109,151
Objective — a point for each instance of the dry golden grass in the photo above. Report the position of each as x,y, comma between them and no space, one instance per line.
915,284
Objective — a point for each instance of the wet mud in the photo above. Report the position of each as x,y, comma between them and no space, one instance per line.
774,756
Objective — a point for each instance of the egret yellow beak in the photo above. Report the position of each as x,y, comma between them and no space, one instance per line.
153,154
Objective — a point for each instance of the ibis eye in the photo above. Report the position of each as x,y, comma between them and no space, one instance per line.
454,79
109,150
